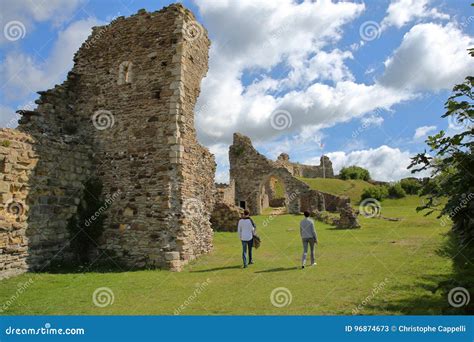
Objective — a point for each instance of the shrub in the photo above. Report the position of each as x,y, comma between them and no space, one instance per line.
396,191
354,172
6,143
376,192
411,186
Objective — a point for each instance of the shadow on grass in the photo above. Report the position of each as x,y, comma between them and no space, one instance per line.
429,303
217,269
278,269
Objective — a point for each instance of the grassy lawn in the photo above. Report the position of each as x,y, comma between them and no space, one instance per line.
384,268
352,188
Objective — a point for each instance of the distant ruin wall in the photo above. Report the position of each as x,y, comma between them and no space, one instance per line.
323,170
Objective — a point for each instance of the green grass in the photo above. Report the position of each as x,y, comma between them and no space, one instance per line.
352,188
397,260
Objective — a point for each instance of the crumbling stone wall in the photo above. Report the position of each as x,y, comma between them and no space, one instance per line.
323,170
251,171
225,214
41,185
125,116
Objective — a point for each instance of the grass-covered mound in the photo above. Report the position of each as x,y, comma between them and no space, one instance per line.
352,187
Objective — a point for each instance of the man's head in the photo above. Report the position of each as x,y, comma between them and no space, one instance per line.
306,213
246,212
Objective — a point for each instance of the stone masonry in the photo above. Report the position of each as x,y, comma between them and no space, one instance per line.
251,172
323,170
124,116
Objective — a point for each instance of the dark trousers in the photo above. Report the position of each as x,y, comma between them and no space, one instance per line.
247,245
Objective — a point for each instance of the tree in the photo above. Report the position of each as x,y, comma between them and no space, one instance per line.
411,186
451,164
396,191
354,172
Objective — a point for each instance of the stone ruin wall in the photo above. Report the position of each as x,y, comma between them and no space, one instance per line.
323,170
226,214
140,78
41,184
251,171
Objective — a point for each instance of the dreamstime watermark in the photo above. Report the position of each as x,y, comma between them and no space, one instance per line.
462,205
370,30
281,297
14,30
103,296
192,30
15,207
458,297
197,291
46,330
375,290
107,203
456,124
281,119
367,123
103,119
22,287
370,207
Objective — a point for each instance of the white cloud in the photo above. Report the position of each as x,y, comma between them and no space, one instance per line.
29,12
221,153
431,57
372,120
8,118
284,42
384,163
423,131
24,75
401,12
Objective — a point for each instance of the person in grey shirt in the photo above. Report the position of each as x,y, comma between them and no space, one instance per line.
309,237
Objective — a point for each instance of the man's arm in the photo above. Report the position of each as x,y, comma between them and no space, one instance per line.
314,232
239,230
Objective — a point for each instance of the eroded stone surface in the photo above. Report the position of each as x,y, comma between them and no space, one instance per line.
125,116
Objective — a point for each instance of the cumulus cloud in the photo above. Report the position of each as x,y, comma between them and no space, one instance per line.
384,163
423,131
401,12
431,57
29,12
25,75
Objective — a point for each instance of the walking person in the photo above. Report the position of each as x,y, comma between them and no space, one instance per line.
309,237
246,229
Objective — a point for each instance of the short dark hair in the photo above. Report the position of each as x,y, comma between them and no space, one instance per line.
306,213
246,212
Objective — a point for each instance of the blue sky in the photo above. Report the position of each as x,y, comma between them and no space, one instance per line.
361,81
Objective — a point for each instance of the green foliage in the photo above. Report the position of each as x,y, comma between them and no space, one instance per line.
354,172
6,143
411,186
396,191
451,162
377,192
87,225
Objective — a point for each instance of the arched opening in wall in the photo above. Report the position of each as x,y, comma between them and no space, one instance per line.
272,196
125,72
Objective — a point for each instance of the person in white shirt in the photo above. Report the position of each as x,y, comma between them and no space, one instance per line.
309,237
246,230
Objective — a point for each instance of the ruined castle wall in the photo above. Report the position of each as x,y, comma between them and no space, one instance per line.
195,165
41,185
125,116
324,170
